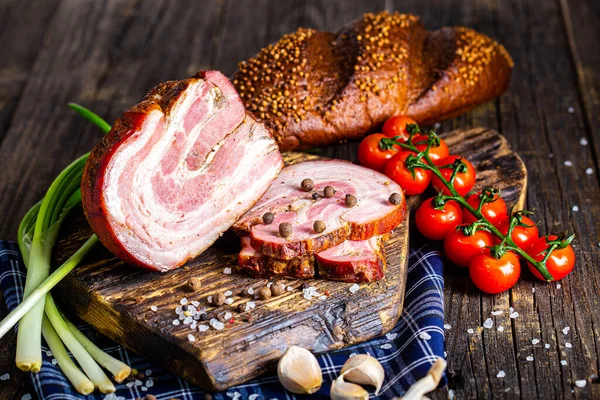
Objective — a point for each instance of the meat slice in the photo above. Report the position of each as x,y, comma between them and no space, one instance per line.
256,264
350,261
176,171
373,215
354,261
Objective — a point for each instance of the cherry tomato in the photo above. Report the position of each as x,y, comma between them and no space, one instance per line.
435,224
560,263
463,182
371,155
493,275
460,249
436,153
396,170
396,126
495,212
523,236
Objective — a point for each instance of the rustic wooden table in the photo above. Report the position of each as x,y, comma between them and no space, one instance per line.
107,54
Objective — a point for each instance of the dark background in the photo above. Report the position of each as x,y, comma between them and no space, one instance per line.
107,54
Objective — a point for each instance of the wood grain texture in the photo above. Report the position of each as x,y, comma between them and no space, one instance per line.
555,47
116,298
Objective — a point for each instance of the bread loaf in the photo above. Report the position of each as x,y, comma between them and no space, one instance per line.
316,88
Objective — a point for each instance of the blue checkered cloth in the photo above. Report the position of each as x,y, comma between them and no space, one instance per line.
406,352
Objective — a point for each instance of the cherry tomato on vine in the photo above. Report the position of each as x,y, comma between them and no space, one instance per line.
460,248
523,236
396,169
493,275
371,155
560,263
436,153
495,212
435,223
396,126
463,182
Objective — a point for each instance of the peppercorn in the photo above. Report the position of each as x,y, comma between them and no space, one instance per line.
241,307
277,288
244,292
194,284
268,218
264,293
315,196
219,299
307,185
328,192
319,226
395,198
184,307
285,229
203,316
351,200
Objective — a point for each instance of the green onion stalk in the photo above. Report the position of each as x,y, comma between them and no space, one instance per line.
422,160
36,236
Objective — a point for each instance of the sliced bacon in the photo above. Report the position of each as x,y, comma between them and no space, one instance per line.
354,261
176,171
373,215
349,261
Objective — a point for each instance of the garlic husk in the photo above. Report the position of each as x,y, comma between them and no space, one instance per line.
364,369
342,390
299,371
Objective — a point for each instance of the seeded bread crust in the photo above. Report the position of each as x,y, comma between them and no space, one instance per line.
317,88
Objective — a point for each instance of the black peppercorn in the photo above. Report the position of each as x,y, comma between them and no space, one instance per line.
395,198
268,218
315,196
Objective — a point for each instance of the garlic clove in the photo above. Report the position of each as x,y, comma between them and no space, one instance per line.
299,371
364,369
342,390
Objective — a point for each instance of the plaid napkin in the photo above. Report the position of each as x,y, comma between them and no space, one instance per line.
406,352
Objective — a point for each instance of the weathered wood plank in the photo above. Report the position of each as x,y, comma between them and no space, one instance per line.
536,119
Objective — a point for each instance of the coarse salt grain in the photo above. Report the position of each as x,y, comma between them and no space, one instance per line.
568,345
563,362
196,303
228,293
289,288
470,330
209,299
529,358
183,301
535,341
447,326
488,323
5,377
48,353
269,284
250,290
351,355
589,171
193,325
354,288
575,208
253,397
228,301
178,310
154,308
129,384
547,346
500,329
566,330
583,141
568,163
144,389
391,335
227,315
138,382
175,322
227,271
386,346
532,290
424,336
250,304
322,297
202,328
580,383
218,325
497,312
191,338
501,374
27,396
148,373
514,314
54,361
188,320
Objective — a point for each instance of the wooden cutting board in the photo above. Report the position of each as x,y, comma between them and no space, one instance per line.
116,299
